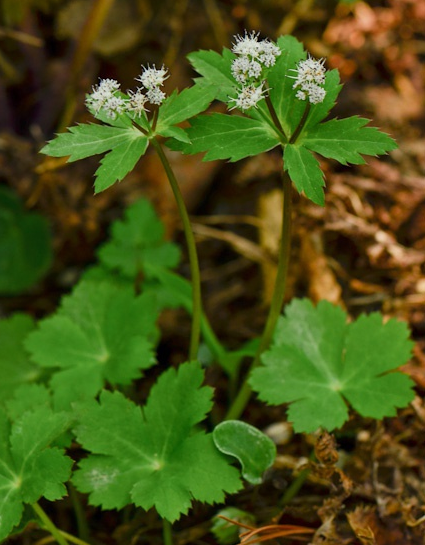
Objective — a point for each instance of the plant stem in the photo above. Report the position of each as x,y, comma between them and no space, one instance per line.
301,124
275,118
83,529
48,524
191,247
167,532
244,394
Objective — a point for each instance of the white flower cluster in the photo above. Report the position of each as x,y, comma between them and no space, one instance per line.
253,56
105,95
152,79
310,76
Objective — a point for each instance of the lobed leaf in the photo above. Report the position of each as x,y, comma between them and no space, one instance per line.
319,361
216,71
304,170
158,458
227,137
30,468
346,139
16,367
101,333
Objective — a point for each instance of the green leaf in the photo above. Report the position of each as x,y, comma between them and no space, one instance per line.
319,361
345,139
304,170
86,140
29,467
255,451
26,398
179,107
158,458
120,161
25,245
101,333
227,137
216,71
288,108
137,241
16,368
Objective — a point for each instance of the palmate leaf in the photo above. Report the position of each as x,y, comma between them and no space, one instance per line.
137,241
16,368
318,361
345,139
227,137
304,170
29,467
215,69
155,458
101,333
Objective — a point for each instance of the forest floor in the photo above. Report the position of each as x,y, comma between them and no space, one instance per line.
365,250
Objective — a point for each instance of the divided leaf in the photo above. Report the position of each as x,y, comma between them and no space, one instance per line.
304,170
29,467
215,69
157,457
319,361
101,333
16,367
345,139
227,137
125,144
137,241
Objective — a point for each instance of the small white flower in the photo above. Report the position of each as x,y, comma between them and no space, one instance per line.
114,106
153,77
248,97
268,53
243,68
155,95
310,76
101,94
137,102
247,45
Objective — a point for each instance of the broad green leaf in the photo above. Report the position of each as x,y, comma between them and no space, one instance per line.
345,139
319,361
255,451
156,458
215,69
25,245
101,334
16,368
138,240
227,137
304,170
29,467
86,140
26,398
288,109
120,161
179,107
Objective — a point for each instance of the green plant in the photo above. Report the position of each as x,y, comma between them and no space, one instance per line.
87,356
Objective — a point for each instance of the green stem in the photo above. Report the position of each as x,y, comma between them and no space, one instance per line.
48,524
167,532
275,117
191,247
83,529
301,124
244,394
74,539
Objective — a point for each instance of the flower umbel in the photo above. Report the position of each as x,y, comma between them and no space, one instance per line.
137,101
249,96
152,79
102,95
310,76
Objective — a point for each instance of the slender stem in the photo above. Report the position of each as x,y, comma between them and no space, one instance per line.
191,247
244,394
275,118
301,124
167,532
74,539
48,524
83,529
